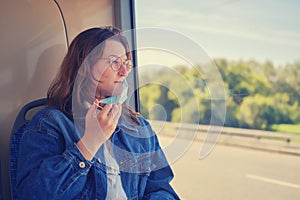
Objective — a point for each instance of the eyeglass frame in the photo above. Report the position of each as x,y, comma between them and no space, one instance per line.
111,62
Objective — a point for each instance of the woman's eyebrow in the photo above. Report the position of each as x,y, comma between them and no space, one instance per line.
118,56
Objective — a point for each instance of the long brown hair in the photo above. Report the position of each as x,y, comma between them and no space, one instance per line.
72,84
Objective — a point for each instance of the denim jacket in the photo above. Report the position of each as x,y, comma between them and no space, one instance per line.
51,166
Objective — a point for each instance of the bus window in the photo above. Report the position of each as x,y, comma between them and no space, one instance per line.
223,76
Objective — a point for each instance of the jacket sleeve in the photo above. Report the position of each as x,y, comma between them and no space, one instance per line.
158,183
48,168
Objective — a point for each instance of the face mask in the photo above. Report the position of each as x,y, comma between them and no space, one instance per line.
117,99
113,99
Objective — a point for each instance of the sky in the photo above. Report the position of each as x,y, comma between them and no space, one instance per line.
232,29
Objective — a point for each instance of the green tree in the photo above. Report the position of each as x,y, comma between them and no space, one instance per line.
261,112
257,94
289,82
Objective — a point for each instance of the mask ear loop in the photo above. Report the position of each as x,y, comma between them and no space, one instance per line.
98,106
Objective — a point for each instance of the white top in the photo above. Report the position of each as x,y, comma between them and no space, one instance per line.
115,189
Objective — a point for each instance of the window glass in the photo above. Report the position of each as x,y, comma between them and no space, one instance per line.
228,63
254,44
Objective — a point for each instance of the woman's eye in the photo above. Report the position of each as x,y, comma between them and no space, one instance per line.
116,62
112,60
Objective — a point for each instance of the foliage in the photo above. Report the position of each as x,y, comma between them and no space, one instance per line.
258,95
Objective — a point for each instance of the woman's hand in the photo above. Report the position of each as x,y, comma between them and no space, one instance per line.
100,125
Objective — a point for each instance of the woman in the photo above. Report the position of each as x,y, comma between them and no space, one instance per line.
87,144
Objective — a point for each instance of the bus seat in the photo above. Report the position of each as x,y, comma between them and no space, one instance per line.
24,115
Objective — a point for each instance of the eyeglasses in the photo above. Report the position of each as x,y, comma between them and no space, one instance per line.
116,63
113,29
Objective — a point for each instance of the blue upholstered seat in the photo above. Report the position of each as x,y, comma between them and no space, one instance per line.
16,135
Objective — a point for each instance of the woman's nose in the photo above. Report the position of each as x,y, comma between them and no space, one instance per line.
123,71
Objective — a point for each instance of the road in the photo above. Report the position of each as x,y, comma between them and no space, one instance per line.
232,173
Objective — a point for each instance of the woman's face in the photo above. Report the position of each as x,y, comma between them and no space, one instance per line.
110,80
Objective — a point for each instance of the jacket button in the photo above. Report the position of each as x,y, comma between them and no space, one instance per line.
82,165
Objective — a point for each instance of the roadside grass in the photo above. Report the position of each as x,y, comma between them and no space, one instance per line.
286,128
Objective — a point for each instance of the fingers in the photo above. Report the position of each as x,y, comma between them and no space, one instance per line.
111,112
106,109
100,124
92,111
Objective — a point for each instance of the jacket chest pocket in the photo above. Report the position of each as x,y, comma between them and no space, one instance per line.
135,174
135,184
